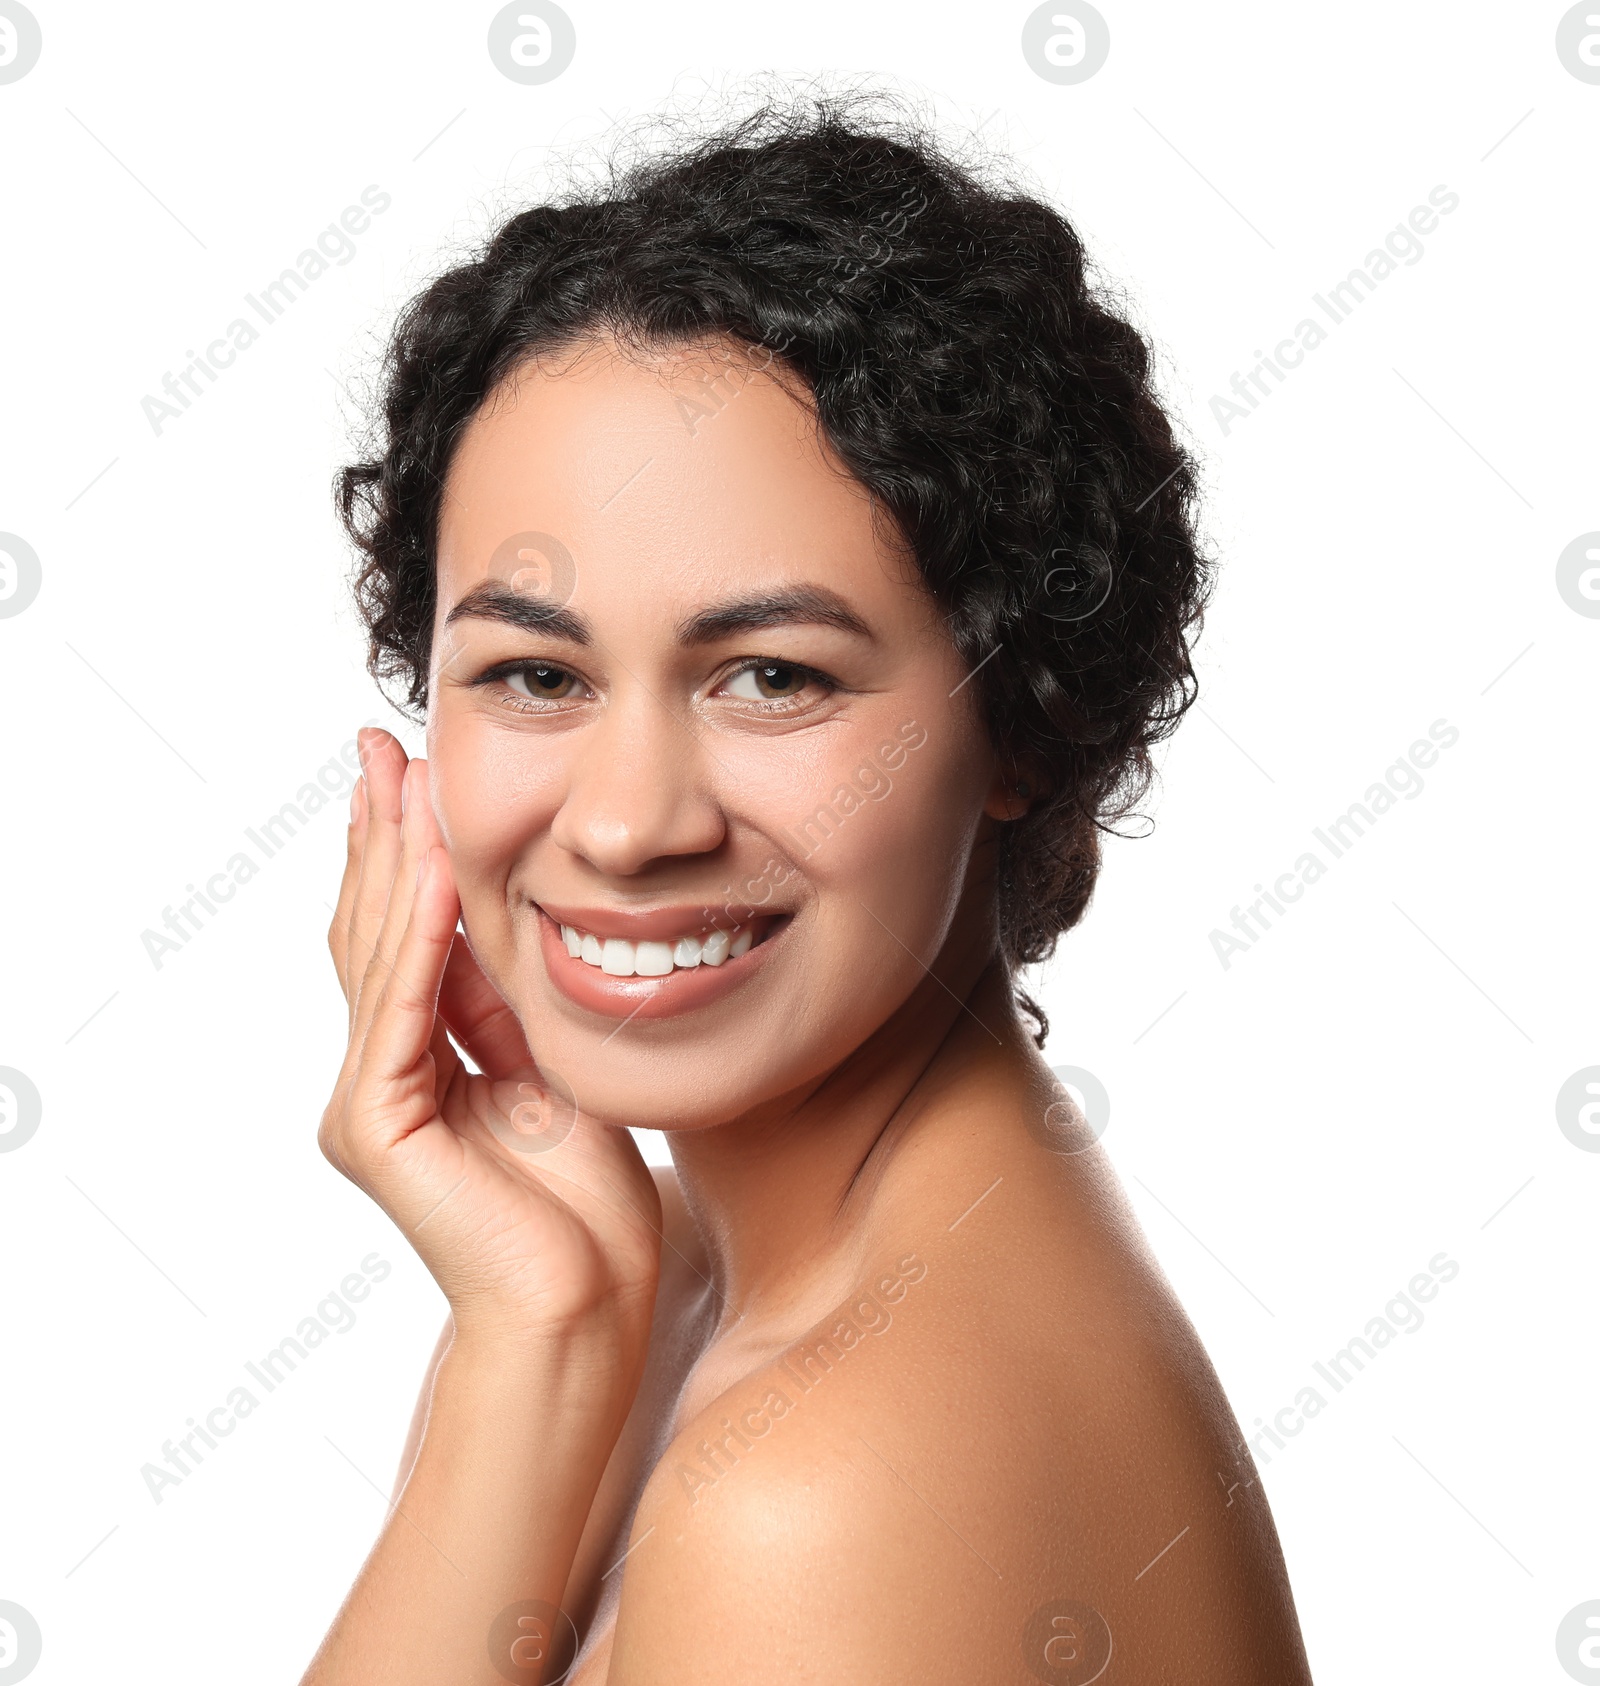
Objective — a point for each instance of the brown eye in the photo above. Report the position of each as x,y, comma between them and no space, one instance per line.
541,681
768,682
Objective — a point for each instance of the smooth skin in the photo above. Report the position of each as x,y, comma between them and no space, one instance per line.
884,1367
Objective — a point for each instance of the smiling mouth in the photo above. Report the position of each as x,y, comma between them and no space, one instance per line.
624,957
617,957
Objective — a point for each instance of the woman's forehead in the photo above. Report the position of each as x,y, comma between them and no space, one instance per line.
682,475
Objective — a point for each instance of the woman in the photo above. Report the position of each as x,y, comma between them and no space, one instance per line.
795,568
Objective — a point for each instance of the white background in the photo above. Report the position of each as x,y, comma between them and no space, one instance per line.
1300,1132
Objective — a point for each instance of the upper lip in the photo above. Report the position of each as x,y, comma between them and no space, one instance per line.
659,924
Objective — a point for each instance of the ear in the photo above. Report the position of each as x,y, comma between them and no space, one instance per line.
1011,795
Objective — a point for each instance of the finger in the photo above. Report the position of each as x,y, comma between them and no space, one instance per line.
405,1016
354,839
479,1017
418,831
383,765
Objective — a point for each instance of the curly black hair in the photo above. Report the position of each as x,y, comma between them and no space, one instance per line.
994,399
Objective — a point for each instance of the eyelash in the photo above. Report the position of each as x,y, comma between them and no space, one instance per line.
521,704
777,705
499,674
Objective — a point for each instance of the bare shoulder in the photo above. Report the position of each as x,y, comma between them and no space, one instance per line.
1008,1422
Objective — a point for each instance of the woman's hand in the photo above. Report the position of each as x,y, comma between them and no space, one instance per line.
532,1218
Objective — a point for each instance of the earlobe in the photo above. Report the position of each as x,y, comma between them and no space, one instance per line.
1010,797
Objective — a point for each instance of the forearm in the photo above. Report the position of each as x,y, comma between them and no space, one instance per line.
515,1444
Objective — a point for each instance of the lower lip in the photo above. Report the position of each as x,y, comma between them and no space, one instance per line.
682,990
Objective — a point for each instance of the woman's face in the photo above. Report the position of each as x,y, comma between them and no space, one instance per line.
693,713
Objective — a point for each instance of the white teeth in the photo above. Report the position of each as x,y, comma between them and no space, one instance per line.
652,960
619,958
715,950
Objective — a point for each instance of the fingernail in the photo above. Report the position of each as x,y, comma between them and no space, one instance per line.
355,801
405,786
422,865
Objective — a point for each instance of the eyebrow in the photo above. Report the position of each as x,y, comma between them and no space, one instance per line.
811,605
496,601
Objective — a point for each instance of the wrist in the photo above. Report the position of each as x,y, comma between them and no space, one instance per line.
592,1359
575,1315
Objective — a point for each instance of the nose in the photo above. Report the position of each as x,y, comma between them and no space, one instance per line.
640,790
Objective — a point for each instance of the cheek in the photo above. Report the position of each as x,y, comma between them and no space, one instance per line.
491,799
894,846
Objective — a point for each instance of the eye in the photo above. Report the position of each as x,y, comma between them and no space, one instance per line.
532,683
767,681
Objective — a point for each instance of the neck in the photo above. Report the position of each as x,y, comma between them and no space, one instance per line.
779,1195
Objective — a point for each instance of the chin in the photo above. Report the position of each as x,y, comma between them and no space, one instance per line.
689,1070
